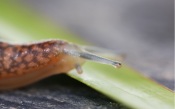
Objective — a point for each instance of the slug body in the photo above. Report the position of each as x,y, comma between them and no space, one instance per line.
21,65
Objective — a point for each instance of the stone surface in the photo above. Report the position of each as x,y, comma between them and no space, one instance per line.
57,92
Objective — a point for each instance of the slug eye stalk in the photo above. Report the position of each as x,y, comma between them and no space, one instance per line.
79,51
99,59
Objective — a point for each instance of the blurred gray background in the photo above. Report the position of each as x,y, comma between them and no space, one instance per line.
142,29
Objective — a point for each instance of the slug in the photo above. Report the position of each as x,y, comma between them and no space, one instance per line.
24,64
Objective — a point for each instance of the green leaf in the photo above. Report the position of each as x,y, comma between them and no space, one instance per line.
124,85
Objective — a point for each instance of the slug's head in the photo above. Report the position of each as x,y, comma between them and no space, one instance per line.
61,57
79,54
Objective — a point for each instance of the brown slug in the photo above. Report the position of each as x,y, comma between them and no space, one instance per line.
23,64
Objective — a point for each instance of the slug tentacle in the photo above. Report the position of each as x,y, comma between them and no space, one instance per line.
79,51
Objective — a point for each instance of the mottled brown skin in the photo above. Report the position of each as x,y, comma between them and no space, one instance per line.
21,65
